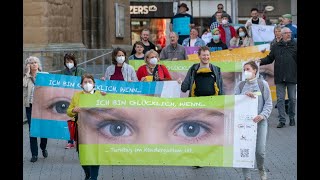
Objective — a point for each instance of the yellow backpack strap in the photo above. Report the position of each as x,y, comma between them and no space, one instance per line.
216,89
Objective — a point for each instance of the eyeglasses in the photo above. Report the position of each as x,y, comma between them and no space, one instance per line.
287,32
220,8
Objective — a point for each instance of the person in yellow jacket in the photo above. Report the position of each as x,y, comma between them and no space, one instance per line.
87,84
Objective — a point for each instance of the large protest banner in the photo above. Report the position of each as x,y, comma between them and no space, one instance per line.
230,71
140,130
53,93
241,55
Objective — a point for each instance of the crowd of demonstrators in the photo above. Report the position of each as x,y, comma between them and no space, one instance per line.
284,53
220,10
173,51
183,8
216,44
88,87
194,40
120,70
255,19
252,87
147,44
152,71
139,48
32,67
242,39
71,69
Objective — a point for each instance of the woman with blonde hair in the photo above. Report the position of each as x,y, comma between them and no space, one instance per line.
152,71
32,67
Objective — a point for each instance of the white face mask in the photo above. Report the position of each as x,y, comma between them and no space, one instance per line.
120,59
247,75
242,34
153,61
70,65
88,87
224,21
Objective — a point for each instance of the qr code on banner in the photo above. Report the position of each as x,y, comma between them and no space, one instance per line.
244,153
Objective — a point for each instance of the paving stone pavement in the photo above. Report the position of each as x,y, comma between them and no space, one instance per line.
62,164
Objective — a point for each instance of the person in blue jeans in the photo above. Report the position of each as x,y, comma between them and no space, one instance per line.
33,66
256,87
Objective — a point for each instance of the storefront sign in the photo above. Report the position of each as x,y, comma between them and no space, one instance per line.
151,9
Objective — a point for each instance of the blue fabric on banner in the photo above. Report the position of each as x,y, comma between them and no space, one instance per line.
49,129
119,87
181,25
58,128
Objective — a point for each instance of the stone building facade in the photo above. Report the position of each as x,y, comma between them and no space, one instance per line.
55,24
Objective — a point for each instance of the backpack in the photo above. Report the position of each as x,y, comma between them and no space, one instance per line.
204,82
260,83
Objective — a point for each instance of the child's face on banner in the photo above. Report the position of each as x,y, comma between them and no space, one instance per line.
52,103
151,126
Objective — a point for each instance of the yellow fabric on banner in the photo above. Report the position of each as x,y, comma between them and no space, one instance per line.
233,55
236,54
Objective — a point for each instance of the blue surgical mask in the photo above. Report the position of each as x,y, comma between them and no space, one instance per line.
242,34
216,37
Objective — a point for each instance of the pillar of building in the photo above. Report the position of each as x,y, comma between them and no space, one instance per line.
294,11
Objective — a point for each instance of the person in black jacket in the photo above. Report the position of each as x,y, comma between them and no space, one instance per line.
148,45
284,53
204,78
216,44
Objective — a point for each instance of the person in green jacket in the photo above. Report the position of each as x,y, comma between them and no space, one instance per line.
71,68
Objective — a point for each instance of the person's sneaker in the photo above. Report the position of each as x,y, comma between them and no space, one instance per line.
292,122
263,174
69,145
44,153
34,159
281,125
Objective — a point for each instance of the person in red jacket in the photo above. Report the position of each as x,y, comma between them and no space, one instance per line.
227,31
152,71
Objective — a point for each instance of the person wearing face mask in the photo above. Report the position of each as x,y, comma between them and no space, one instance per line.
216,44
227,31
120,70
152,71
255,19
71,69
88,86
242,39
256,87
